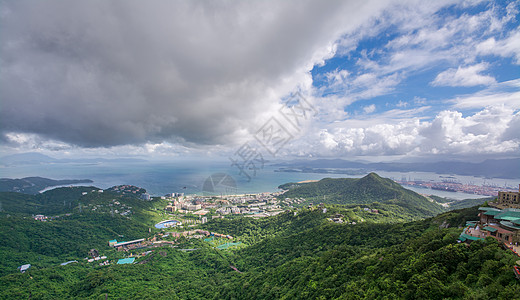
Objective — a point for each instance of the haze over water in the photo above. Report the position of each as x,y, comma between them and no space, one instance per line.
162,178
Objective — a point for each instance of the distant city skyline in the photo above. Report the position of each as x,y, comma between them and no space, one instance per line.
384,80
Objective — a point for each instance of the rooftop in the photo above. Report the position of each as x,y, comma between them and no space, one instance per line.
463,237
489,228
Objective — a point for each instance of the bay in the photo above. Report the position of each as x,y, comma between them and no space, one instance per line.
160,178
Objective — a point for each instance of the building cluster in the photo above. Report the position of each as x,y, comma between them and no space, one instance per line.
40,218
127,189
255,204
500,220
93,256
157,241
454,186
502,224
174,195
290,201
182,206
113,207
250,208
338,218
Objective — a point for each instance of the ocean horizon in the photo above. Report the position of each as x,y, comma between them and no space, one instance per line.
160,178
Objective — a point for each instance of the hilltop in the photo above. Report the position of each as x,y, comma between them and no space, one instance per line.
371,190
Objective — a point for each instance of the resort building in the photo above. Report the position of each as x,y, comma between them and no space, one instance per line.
500,220
507,200
503,225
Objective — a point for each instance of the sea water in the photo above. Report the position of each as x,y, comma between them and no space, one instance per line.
160,178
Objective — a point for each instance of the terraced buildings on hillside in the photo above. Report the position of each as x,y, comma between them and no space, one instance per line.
500,220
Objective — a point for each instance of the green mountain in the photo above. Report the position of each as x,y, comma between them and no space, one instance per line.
298,254
79,219
372,190
32,185
302,256
56,201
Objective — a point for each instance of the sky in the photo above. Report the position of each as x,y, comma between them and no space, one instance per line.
374,80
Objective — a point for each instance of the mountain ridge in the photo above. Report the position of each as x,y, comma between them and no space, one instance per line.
369,190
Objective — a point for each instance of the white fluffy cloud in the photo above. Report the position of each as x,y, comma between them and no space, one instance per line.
492,130
464,76
158,77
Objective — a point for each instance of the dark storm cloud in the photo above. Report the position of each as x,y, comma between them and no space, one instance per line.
104,73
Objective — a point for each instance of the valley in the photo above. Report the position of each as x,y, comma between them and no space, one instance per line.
326,239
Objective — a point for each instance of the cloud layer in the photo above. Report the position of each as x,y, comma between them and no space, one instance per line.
493,130
185,77
99,74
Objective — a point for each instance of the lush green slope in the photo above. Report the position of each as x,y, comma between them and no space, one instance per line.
367,190
323,260
43,244
72,200
76,224
298,254
469,203
429,266
56,201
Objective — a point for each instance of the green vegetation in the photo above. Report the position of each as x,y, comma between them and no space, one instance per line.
469,203
323,261
76,223
298,254
383,193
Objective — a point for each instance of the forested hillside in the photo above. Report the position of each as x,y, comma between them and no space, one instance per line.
371,189
291,256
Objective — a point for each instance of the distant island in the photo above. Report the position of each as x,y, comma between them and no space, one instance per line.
30,158
33,185
323,171
490,168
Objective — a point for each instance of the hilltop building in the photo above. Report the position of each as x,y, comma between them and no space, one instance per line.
500,220
507,200
503,225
